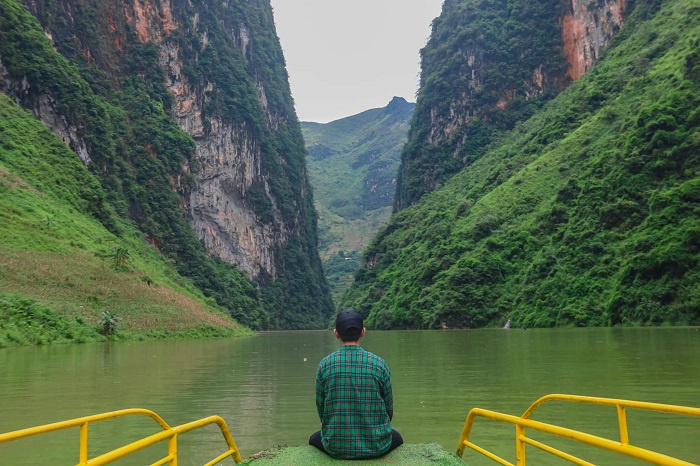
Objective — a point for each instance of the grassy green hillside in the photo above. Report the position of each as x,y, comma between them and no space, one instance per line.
352,166
59,265
586,214
107,81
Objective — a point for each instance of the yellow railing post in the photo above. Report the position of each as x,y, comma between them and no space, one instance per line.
83,443
172,450
622,422
520,459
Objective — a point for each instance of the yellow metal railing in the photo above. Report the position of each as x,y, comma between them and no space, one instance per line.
168,433
622,446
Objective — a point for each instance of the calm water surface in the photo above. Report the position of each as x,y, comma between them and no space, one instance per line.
264,387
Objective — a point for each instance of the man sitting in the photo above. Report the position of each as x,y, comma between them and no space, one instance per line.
353,397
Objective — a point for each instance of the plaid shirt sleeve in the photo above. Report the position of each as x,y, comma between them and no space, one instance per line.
387,394
319,393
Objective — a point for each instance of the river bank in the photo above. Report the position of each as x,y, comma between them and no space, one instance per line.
25,322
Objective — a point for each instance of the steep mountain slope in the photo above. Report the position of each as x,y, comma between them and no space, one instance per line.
352,166
59,267
183,111
586,214
488,65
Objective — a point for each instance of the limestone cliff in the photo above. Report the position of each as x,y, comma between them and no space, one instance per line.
586,29
217,71
229,159
228,153
485,68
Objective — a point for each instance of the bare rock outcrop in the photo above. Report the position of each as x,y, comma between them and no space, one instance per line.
228,156
586,29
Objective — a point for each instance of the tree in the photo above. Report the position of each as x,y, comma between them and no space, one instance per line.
109,321
121,256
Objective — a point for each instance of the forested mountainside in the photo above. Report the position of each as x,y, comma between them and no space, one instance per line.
183,112
586,213
352,166
488,65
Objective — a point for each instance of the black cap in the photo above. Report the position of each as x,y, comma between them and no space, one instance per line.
347,319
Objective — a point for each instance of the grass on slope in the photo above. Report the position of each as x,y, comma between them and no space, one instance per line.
57,262
587,214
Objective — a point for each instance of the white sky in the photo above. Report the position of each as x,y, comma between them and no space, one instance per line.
347,56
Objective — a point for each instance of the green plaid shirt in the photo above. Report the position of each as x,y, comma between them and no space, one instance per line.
355,403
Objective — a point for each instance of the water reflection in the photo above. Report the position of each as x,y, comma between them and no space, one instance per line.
264,385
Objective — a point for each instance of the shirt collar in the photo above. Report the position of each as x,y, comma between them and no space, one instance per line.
350,347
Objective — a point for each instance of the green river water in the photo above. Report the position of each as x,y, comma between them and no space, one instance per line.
263,386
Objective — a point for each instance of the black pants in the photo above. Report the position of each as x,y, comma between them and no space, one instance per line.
315,440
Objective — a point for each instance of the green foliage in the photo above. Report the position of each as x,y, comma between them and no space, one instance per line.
121,256
353,161
109,320
586,214
24,322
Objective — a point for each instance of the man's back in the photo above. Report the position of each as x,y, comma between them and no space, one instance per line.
355,402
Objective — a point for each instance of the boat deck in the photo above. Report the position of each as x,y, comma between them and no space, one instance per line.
425,454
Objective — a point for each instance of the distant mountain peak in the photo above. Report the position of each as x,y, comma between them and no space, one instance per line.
397,102
399,108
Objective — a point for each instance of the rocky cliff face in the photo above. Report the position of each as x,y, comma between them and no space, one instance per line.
229,162
586,29
228,155
492,73
218,71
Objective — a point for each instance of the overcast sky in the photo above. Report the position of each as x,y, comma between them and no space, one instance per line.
347,56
